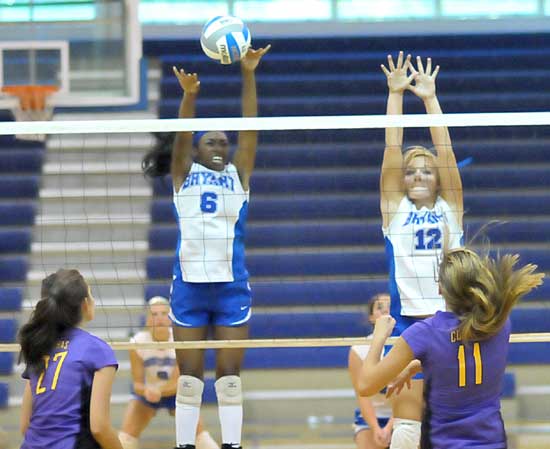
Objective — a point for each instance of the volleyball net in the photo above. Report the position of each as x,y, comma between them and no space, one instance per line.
314,245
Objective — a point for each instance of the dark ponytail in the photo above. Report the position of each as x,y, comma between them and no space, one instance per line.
59,309
157,162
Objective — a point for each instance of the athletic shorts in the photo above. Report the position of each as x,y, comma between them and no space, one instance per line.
213,303
359,423
168,402
402,323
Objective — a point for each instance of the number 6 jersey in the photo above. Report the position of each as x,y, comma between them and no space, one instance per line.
211,209
414,241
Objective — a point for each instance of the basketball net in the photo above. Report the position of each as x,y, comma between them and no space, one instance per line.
32,106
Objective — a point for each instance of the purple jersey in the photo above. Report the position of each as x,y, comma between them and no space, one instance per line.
61,395
462,386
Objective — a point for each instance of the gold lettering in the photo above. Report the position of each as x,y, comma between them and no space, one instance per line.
455,336
63,344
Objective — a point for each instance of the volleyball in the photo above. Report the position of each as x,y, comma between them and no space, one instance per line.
225,39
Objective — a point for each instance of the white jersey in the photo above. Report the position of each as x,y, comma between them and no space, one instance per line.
414,241
382,406
158,364
211,210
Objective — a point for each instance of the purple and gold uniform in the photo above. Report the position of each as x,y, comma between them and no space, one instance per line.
463,382
61,393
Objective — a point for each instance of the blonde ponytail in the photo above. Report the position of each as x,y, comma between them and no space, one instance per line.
483,291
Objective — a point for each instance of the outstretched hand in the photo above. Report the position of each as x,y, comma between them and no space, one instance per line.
252,58
189,82
398,80
424,79
404,378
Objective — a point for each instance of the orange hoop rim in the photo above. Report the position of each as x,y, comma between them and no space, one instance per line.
32,97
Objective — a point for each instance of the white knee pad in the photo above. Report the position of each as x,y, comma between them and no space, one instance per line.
128,441
229,390
406,434
189,391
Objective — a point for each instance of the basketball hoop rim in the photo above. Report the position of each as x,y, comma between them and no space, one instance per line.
32,97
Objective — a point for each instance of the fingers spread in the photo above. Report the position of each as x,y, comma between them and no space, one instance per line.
419,65
390,63
400,60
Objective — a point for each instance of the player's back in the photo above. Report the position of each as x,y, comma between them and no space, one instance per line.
463,381
61,393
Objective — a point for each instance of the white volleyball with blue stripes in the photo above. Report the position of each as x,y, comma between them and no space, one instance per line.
225,39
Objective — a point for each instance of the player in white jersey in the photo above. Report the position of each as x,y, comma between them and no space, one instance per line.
210,282
422,207
373,422
154,379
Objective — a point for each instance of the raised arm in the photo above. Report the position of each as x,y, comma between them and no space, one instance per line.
245,155
449,176
391,175
182,152
376,373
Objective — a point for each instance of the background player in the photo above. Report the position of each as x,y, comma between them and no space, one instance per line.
210,282
155,376
373,421
69,372
421,204
462,352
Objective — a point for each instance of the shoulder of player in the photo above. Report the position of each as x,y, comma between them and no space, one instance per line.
88,341
397,209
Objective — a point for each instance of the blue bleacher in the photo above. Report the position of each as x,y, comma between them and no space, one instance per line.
342,206
310,234
4,396
11,298
27,161
19,186
17,214
20,174
327,262
314,235
8,328
367,180
6,363
15,240
13,269
323,292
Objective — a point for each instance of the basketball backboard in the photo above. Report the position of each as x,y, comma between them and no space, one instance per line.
92,53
